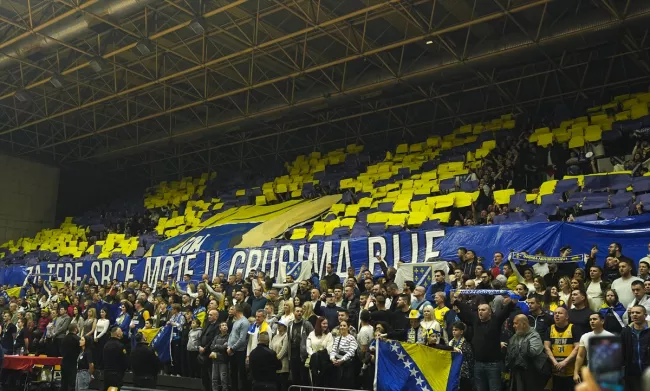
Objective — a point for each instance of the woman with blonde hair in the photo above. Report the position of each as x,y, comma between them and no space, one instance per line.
564,289
308,313
429,323
287,312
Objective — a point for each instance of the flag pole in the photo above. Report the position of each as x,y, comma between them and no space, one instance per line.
374,383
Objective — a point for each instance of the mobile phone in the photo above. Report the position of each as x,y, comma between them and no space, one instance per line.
606,362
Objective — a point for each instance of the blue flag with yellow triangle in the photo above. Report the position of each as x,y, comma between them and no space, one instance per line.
405,366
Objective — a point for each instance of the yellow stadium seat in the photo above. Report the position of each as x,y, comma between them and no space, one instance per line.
352,210
397,219
331,225
576,142
545,139
443,217
638,110
562,137
577,131
402,205
337,208
547,187
533,138
593,133
622,116
462,199
465,129
502,197
444,201
531,197
298,233
317,229
489,144
281,188
240,192
417,147
542,130
378,217
402,148
628,103
260,200
416,219
348,222
365,202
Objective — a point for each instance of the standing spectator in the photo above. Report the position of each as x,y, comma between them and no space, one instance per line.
597,323
636,342
561,345
351,304
8,335
85,366
144,363
298,332
623,284
208,334
497,265
512,281
644,269
640,298
616,251
525,357
342,356
579,314
194,339
101,335
613,312
280,345
70,349
610,270
331,279
60,329
440,285
219,356
257,301
329,312
176,320
237,342
115,360
486,341
320,339
444,316
596,288
266,363
539,319
461,345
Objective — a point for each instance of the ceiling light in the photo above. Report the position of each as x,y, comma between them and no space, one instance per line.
429,42
23,96
57,81
198,26
144,46
97,64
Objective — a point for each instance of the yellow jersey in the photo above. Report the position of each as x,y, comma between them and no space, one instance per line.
562,344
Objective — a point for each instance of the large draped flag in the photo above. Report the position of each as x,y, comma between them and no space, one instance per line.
421,273
405,366
160,340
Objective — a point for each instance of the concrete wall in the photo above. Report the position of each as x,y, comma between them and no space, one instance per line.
28,197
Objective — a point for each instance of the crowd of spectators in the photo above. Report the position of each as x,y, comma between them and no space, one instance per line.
236,331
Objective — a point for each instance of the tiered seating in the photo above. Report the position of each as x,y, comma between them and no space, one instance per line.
417,186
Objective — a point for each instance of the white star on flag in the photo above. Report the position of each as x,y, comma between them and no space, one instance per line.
393,347
414,373
401,356
407,364
419,380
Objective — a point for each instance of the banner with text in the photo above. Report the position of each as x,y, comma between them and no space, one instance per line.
633,233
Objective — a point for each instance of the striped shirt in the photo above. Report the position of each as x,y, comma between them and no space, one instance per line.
343,348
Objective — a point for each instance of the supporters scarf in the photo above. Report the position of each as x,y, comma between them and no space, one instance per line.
523,257
493,292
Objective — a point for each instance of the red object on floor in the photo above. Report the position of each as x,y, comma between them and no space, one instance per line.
25,363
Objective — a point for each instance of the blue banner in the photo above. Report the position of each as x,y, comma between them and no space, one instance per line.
206,239
633,233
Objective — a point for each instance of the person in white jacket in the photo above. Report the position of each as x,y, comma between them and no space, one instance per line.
318,340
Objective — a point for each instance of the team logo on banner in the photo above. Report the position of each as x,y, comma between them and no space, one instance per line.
422,276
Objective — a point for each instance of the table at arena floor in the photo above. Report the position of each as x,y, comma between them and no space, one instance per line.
25,363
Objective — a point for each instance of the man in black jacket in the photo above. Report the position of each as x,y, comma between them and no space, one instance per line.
635,341
115,360
486,341
209,332
266,363
145,364
70,350
331,278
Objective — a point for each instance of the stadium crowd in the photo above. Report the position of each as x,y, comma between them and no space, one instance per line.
250,332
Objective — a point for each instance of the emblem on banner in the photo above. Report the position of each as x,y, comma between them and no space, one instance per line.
422,276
